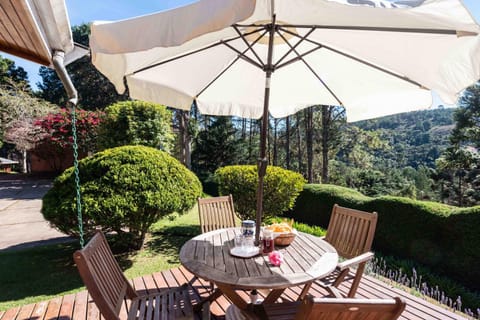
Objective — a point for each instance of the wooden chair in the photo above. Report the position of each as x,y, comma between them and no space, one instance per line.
216,213
109,288
351,232
323,309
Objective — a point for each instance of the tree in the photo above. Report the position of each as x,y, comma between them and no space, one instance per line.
333,119
216,146
56,135
467,118
463,165
186,126
136,123
461,160
94,90
18,112
13,77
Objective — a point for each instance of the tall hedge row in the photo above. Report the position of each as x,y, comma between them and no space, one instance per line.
443,237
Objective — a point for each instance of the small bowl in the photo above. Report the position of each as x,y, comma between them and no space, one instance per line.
284,238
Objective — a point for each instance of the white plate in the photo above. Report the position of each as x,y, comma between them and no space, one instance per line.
243,253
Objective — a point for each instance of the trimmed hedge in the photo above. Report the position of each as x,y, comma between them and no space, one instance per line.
281,188
124,189
443,237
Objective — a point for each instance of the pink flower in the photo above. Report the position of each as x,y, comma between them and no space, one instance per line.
276,258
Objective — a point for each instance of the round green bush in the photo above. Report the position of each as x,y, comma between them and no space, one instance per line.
136,123
281,188
124,189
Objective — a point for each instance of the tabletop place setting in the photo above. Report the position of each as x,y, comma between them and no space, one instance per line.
277,234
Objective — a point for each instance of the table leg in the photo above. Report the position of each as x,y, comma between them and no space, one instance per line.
233,296
273,295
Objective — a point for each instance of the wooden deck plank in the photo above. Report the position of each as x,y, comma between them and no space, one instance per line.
25,312
66,309
53,308
92,311
39,310
80,306
10,314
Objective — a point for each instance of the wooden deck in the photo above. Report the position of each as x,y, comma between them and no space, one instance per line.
80,307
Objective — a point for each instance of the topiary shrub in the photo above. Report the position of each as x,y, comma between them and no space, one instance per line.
281,188
136,123
123,189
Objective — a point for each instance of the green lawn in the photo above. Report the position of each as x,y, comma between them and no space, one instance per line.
38,274
41,273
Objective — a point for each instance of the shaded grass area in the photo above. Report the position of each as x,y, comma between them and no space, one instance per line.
41,273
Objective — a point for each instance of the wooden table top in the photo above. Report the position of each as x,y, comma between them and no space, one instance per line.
208,256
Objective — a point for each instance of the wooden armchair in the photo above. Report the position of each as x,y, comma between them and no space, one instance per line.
351,232
216,213
323,309
109,288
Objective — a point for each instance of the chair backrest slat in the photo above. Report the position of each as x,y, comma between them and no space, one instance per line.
102,276
351,231
216,213
350,309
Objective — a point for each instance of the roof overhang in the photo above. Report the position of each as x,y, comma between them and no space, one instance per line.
35,29
39,31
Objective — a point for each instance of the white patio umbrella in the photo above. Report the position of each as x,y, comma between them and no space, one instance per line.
248,58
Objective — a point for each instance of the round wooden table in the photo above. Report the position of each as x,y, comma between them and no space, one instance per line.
208,256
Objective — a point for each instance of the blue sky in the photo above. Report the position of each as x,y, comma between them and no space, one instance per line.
84,11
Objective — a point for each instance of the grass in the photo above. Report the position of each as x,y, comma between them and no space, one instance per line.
41,273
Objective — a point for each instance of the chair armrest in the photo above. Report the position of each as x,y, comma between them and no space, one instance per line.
364,257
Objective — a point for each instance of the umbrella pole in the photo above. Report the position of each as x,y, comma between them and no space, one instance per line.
262,161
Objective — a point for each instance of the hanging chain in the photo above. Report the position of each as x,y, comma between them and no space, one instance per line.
77,176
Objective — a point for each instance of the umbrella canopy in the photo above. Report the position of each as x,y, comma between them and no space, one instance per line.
247,58
373,61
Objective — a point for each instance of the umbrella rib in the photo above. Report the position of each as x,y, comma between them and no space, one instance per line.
189,53
218,76
175,58
249,46
240,55
369,64
366,28
296,45
299,56
386,29
243,56
311,69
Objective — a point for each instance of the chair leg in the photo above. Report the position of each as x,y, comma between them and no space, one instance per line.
304,292
207,300
356,280
340,277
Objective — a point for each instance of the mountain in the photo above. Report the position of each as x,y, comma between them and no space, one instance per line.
417,138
